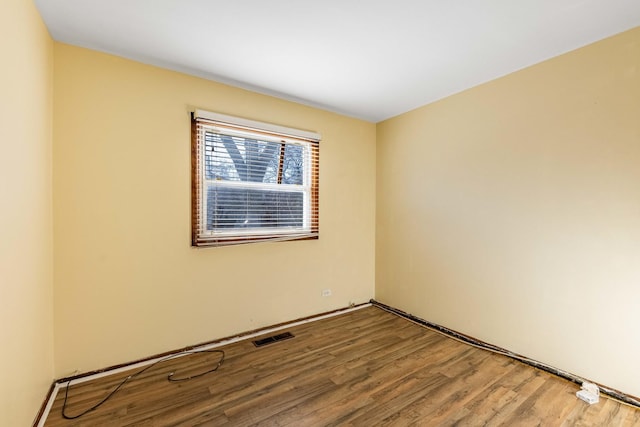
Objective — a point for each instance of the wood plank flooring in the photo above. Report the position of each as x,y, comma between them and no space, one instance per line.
364,368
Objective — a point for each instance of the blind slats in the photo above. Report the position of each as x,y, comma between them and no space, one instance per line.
252,185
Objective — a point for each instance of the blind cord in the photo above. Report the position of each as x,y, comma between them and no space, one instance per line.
170,378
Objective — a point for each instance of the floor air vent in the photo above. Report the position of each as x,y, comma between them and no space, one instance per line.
273,339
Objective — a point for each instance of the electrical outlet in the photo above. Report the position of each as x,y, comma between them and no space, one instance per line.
326,292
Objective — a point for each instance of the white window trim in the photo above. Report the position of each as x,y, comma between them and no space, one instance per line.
259,126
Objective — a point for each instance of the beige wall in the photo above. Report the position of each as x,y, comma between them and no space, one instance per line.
511,212
127,282
26,294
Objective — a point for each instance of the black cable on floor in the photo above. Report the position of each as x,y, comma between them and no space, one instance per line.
170,378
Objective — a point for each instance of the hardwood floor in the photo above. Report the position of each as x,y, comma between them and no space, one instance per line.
364,368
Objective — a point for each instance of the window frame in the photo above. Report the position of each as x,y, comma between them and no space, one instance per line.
203,122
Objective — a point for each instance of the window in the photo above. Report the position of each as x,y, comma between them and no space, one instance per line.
252,181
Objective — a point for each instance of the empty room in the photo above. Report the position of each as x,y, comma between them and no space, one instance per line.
331,213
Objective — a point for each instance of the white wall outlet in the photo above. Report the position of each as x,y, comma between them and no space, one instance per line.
589,392
326,292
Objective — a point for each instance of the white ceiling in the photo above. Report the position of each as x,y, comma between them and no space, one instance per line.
369,59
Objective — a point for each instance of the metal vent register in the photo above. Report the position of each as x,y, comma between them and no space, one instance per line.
273,339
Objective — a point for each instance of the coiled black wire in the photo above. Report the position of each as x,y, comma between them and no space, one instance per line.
170,378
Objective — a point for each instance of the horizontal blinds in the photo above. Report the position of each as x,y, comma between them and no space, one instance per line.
253,184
